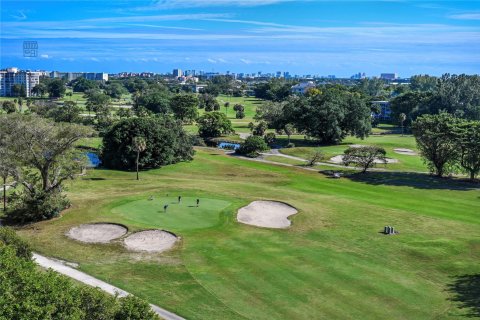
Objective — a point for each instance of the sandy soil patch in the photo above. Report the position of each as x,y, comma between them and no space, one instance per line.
339,159
408,152
357,145
267,214
97,232
150,241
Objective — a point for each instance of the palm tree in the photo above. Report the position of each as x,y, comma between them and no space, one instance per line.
402,118
226,105
139,144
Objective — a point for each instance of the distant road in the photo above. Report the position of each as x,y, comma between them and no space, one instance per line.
60,267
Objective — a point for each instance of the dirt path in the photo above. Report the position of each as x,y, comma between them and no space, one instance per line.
60,267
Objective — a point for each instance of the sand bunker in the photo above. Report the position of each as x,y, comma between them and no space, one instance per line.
150,241
268,214
97,232
339,159
407,152
357,145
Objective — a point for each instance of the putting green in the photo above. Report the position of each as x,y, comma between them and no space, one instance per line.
178,216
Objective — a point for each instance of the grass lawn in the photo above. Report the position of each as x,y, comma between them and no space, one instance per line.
178,216
388,142
332,263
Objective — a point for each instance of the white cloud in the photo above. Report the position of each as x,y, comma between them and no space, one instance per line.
466,16
176,4
246,61
45,56
211,60
20,16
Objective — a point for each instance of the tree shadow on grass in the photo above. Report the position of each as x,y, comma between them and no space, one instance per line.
414,180
466,291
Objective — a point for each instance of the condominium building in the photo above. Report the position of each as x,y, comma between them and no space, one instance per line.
12,76
69,76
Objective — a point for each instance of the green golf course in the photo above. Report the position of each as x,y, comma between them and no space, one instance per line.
333,262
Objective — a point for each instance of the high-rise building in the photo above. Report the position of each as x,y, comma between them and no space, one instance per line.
12,76
177,73
388,76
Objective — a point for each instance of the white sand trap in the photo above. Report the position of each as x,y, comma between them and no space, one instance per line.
339,159
267,214
357,145
150,241
407,152
97,232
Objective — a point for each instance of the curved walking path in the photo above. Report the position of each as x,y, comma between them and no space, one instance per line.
60,267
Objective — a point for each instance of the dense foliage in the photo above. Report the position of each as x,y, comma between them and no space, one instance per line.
42,155
448,143
28,293
214,124
252,146
328,116
166,143
458,95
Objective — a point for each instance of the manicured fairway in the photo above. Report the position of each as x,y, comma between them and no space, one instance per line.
388,142
332,263
177,217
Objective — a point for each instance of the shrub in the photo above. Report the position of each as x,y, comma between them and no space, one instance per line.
252,146
10,238
132,307
269,138
364,157
29,293
291,145
40,205
240,115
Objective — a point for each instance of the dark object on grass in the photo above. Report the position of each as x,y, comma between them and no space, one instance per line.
165,207
389,230
198,202
179,199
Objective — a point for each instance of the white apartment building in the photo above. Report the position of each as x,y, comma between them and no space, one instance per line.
12,76
303,87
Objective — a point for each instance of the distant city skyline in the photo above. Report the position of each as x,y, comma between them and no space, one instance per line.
321,37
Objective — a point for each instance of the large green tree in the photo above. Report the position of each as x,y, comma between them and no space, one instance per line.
156,100
45,155
185,107
166,143
214,124
331,115
56,88
467,139
435,136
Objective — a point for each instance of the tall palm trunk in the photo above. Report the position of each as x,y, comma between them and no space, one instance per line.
138,158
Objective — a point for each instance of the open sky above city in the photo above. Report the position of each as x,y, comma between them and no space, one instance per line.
303,37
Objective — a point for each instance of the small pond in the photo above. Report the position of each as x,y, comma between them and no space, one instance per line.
229,145
93,159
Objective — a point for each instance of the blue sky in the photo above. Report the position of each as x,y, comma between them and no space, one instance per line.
304,37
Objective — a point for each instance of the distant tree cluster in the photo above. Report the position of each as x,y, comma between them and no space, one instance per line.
273,90
458,95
